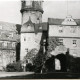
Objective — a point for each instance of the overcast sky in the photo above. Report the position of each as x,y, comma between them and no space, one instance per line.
10,10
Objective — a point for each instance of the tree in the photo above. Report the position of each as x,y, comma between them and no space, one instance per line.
18,51
53,42
14,67
31,55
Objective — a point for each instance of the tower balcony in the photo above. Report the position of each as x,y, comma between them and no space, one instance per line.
31,6
31,9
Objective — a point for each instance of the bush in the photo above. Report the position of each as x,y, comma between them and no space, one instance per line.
14,67
75,65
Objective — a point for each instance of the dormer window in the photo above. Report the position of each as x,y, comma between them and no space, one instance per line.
69,19
28,26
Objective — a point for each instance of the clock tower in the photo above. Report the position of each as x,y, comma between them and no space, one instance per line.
31,32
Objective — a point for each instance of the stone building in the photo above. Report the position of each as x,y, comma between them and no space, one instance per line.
67,31
8,41
32,27
54,36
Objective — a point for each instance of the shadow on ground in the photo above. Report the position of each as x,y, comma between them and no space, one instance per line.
56,75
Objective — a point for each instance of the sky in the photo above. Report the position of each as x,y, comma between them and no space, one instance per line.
10,10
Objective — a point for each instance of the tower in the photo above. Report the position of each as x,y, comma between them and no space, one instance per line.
32,9
31,18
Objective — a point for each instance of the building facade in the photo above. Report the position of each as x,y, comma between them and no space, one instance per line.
67,31
54,36
31,31
8,41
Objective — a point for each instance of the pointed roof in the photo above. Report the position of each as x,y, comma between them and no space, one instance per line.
69,21
28,26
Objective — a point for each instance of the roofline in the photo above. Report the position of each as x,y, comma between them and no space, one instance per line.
32,32
61,24
31,9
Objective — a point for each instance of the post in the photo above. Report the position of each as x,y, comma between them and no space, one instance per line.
24,67
43,60
68,60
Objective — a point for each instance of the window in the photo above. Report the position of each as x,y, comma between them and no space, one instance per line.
5,44
60,41
24,39
10,34
0,27
9,45
28,27
60,29
26,50
13,44
1,43
73,29
74,43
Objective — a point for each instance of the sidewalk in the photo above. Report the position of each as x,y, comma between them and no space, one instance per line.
8,74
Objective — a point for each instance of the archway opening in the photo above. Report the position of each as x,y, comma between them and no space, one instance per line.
63,61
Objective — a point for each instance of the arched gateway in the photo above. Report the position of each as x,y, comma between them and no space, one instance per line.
63,61
58,60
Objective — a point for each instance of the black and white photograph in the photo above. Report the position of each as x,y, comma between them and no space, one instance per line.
39,39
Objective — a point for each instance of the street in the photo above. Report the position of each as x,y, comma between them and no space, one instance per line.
30,75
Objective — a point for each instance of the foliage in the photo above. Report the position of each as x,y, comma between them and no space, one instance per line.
52,43
30,67
36,59
75,64
31,55
39,57
14,67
